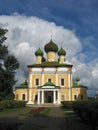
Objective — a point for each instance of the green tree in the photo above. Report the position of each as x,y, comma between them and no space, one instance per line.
8,67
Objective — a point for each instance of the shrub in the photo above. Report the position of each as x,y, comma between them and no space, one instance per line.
11,104
67,104
87,111
17,103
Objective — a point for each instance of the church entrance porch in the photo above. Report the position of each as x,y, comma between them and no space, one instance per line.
48,96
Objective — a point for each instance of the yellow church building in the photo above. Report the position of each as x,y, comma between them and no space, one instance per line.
50,80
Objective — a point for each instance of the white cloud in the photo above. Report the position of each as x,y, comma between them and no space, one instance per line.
26,34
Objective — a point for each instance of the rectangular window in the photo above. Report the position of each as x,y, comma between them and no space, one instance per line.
36,82
23,96
49,80
62,82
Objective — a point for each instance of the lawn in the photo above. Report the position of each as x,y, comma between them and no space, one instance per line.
12,110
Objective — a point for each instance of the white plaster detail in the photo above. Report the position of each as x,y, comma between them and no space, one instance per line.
54,96
48,87
69,86
38,102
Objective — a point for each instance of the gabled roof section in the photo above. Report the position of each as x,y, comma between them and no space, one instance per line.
50,64
75,85
49,85
22,86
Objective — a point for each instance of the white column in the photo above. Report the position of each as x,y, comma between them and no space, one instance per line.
38,101
30,89
54,97
42,97
58,97
56,79
69,86
30,94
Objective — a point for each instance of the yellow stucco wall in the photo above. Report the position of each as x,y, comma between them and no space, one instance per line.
79,92
38,59
19,92
64,91
36,76
62,59
52,76
65,76
51,56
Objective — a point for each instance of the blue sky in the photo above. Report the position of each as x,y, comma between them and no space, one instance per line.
81,16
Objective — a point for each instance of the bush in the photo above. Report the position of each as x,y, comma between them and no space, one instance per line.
67,104
17,103
11,104
87,111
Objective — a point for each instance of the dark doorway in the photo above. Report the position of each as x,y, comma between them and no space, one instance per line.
49,99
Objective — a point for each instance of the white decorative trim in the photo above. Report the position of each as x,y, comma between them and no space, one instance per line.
58,97
39,69
52,69
63,69
42,78
48,87
69,86
54,97
30,80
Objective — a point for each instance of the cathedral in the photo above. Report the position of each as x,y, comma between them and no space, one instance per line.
50,80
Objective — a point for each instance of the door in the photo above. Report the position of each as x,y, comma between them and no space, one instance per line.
49,99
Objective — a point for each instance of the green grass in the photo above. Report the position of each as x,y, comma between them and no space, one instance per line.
45,112
8,111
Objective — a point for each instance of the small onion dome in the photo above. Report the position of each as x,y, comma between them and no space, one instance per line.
39,52
51,46
61,52
77,79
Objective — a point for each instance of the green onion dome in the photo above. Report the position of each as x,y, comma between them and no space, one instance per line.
39,52
51,46
61,52
77,79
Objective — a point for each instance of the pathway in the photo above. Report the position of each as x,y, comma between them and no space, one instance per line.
55,120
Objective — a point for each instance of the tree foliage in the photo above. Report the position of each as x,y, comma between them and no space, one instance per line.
8,66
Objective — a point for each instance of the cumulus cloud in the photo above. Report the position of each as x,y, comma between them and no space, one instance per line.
26,34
